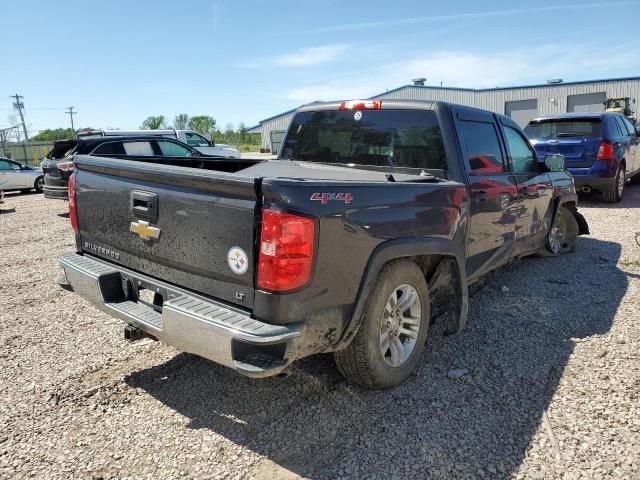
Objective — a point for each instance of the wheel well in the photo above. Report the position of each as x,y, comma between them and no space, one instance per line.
442,274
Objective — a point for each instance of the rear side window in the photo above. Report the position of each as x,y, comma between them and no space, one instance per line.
385,138
484,155
110,148
170,149
557,128
142,149
623,128
630,128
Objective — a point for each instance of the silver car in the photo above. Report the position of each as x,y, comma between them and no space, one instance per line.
17,176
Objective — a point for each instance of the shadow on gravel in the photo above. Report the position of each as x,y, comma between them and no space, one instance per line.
516,346
63,215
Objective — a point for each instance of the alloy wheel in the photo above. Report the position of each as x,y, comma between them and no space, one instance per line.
400,325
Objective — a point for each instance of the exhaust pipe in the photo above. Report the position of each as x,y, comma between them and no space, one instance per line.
586,189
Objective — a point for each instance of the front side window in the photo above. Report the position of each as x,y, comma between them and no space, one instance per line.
523,160
483,148
196,140
140,149
383,138
170,149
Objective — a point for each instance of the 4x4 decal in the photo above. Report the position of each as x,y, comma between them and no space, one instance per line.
345,197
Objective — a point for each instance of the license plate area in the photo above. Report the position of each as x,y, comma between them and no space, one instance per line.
144,292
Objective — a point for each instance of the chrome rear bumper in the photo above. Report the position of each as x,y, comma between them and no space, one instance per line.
187,321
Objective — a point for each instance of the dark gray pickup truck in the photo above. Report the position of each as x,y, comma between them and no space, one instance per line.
374,212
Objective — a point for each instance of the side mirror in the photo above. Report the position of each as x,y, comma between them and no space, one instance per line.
554,163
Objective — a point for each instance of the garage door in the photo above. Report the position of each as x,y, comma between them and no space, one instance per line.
276,140
588,102
521,111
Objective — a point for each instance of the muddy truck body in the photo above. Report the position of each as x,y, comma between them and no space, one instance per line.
374,212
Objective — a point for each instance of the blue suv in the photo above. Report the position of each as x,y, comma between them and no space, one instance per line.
602,150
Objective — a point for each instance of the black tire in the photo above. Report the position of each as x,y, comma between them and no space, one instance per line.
614,193
39,184
363,361
635,180
563,234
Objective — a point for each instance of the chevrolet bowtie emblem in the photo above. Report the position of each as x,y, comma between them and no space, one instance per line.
144,230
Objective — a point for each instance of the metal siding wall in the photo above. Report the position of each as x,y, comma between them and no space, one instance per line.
278,123
492,100
495,100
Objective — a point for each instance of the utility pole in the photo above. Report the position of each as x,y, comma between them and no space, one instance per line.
71,113
19,106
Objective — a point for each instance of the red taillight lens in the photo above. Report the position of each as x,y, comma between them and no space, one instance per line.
606,152
361,105
73,217
286,251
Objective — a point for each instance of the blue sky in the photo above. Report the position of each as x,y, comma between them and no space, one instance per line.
119,61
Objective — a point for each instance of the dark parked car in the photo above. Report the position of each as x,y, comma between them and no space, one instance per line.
58,164
375,211
601,149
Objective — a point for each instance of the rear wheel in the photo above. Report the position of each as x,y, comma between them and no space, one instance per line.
39,184
393,332
563,235
615,192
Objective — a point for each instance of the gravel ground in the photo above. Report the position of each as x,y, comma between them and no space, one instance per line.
552,349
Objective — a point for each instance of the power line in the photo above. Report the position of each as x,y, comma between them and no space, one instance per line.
19,106
71,113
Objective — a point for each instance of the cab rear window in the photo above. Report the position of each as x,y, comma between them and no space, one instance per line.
384,138
557,128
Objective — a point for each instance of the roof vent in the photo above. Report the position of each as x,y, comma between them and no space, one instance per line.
419,82
554,80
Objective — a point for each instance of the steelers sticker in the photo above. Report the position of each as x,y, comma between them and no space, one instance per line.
357,116
237,260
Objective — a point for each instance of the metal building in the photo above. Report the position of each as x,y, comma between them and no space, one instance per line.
520,103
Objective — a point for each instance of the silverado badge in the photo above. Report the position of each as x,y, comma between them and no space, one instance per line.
144,230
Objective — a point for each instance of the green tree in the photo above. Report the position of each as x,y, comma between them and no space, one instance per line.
181,121
153,122
202,123
51,135
242,133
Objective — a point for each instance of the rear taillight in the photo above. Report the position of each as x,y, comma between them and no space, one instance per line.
73,215
361,105
66,166
606,152
286,251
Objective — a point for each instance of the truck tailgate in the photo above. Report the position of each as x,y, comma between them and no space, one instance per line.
173,223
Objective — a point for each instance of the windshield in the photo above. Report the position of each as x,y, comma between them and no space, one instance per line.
386,138
564,128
